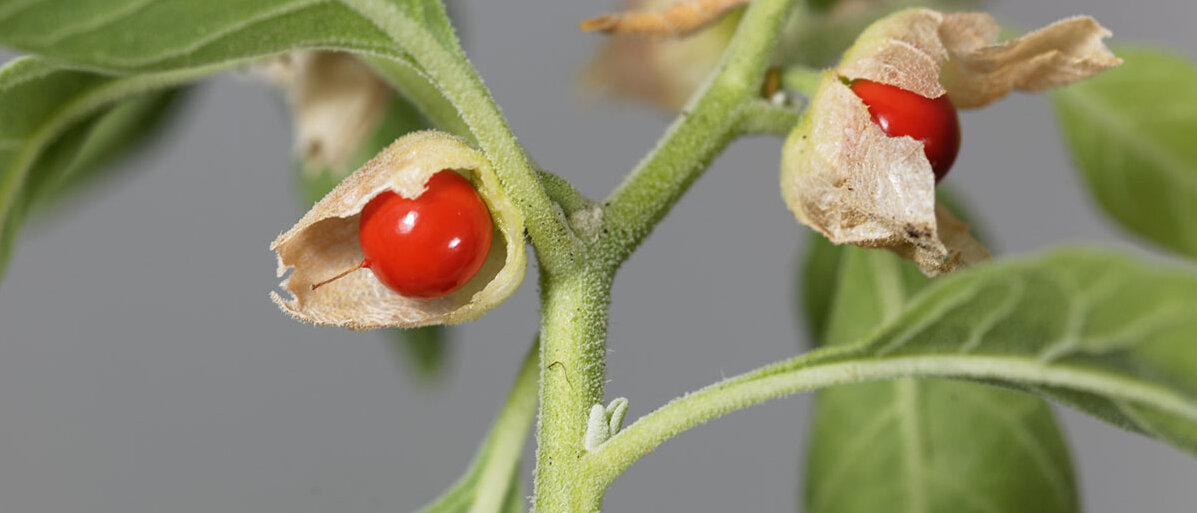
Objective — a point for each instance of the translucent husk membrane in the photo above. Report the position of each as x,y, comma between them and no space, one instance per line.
844,177
325,242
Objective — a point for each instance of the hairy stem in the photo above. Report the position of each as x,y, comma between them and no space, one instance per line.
762,117
707,125
573,360
814,371
800,79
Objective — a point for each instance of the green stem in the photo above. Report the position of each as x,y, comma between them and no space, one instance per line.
573,367
803,80
762,117
563,193
707,125
814,371
414,86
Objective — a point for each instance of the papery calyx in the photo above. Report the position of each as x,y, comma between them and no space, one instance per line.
844,177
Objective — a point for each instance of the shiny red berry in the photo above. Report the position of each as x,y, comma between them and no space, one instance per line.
900,112
431,245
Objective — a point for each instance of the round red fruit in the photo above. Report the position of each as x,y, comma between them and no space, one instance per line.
900,112
431,245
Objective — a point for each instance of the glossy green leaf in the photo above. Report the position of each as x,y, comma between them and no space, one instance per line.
924,445
492,484
1131,132
56,122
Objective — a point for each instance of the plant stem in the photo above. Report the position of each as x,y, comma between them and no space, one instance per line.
803,80
764,117
707,125
573,369
829,367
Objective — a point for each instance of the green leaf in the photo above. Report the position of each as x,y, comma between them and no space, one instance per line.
817,279
925,445
56,123
492,483
125,128
141,35
423,350
1104,333
1131,132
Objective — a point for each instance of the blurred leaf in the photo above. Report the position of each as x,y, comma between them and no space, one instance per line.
817,280
57,123
125,128
424,351
924,445
1131,131
492,483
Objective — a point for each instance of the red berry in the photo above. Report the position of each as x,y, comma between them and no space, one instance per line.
429,246
900,112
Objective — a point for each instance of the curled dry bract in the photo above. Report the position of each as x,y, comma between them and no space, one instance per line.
844,177
325,242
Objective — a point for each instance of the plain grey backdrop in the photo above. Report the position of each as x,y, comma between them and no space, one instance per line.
143,368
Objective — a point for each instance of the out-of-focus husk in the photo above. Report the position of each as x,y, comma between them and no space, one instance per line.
325,242
844,177
662,72
336,99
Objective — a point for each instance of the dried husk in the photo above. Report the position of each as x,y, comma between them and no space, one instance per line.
336,100
933,53
325,242
844,177
662,72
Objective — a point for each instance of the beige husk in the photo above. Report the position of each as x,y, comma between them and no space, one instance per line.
324,243
663,72
844,177
337,101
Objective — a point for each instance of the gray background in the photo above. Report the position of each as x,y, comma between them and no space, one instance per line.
143,369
